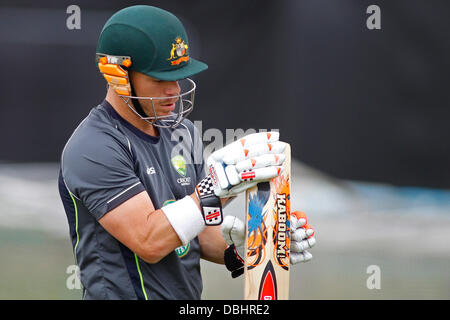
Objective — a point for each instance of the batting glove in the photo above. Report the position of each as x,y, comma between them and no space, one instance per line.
244,163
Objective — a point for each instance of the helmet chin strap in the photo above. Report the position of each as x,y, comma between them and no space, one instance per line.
136,103
138,107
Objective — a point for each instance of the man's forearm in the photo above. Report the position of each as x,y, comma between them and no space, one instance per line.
212,245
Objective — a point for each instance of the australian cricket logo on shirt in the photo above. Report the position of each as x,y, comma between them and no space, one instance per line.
181,251
179,164
179,52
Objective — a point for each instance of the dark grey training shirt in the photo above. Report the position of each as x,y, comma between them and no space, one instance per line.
106,162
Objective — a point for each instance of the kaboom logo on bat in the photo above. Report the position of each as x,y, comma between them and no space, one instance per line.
281,230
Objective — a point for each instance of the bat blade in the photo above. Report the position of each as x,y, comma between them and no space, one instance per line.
266,269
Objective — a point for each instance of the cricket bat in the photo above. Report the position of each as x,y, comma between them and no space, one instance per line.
267,242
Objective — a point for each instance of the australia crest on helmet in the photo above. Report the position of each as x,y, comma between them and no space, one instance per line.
179,52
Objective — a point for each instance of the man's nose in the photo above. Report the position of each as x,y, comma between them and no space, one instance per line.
172,88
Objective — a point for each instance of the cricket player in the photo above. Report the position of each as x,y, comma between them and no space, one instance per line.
142,205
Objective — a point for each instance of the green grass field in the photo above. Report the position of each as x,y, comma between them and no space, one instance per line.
34,264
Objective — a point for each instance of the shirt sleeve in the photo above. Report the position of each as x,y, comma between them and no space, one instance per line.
99,170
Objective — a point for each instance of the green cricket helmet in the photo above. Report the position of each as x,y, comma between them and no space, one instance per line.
154,42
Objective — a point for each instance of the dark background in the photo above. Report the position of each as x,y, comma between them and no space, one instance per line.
358,104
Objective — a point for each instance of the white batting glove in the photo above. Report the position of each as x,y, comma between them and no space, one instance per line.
302,236
233,231
244,163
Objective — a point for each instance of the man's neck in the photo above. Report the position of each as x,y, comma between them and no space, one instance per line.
124,111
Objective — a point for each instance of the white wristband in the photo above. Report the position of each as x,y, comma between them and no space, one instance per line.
185,217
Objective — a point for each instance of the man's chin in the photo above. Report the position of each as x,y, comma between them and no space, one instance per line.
164,114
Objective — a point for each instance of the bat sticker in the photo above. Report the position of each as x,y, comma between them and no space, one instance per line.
257,230
281,229
268,286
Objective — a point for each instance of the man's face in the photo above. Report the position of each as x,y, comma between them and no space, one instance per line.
146,86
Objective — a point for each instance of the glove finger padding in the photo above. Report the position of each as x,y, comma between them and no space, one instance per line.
255,158
261,174
298,235
302,235
239,153
300,246
260,162
244,143
298,219
296,257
